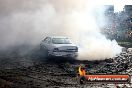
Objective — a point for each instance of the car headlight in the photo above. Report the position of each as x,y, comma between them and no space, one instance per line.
55,50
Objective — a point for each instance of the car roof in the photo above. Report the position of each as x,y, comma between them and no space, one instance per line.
57,36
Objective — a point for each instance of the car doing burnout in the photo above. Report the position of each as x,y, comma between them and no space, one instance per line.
59,46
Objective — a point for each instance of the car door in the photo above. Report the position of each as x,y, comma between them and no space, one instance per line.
47,43
44,42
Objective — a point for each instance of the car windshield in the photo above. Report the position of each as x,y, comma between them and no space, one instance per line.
61,41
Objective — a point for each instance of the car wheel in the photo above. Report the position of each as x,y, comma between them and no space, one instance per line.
82,80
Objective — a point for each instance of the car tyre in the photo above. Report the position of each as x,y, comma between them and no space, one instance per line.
44,51
82,80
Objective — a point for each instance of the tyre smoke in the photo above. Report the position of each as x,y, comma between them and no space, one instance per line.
25,22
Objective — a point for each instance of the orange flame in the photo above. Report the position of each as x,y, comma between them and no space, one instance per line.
81,71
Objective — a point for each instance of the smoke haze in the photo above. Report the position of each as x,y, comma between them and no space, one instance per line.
28,22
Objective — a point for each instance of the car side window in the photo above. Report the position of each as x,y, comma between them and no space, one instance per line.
49,40
45,40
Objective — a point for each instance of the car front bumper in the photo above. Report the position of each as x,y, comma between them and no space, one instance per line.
65,54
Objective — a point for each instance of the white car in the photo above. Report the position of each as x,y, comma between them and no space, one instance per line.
59,46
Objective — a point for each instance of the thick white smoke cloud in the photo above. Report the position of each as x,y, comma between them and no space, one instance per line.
28,22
